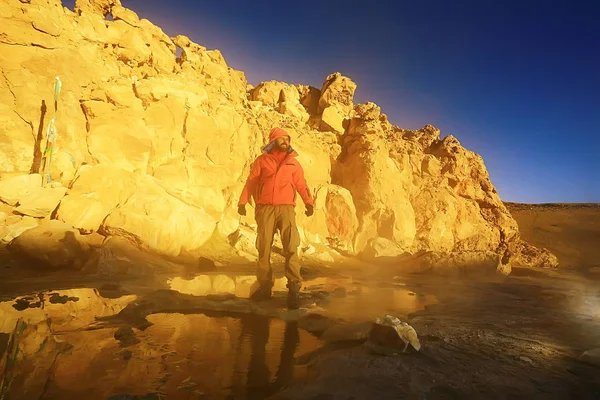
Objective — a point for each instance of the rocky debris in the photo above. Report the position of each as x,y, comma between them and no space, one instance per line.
126,336
389,335
527,255
591,357
155,137
54,243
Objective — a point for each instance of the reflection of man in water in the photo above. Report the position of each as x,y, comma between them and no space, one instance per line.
258,384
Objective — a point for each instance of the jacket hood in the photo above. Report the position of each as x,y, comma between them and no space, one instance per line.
275,134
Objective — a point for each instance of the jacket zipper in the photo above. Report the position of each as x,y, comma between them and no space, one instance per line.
276,172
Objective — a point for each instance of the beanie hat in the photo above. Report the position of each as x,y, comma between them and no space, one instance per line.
276,133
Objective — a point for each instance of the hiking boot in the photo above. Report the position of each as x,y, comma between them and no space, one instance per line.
293,298
262,293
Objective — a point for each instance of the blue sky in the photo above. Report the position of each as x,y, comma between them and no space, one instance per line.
515,81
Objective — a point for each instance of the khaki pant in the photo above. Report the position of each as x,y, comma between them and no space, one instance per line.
270,218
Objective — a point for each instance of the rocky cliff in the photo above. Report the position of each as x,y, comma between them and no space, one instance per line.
155,136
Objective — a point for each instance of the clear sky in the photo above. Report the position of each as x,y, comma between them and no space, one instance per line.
517,81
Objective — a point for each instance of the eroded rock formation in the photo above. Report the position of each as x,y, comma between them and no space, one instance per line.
155,136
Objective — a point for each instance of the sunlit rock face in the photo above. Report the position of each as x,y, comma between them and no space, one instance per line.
155,137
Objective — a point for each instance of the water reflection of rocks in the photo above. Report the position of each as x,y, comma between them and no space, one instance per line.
57,350
180,337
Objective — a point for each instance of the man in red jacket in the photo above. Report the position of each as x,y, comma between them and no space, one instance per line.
275,177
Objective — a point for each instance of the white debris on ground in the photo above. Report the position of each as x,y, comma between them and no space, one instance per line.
406,332
388,334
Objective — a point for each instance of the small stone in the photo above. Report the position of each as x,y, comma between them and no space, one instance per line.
126,336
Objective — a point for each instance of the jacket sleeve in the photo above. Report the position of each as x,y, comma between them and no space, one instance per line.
302,186
251,183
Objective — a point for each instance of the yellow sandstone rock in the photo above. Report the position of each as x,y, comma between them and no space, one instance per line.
156,135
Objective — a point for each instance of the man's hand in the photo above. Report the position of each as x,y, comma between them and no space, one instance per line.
242,209
310,210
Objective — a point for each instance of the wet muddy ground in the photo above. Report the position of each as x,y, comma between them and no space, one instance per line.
69,335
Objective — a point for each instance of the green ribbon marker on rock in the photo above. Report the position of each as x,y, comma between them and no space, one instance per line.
51,136
57,87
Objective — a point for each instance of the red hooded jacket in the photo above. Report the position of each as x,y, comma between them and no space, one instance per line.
276,178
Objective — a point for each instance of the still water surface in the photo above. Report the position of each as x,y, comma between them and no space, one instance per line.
52,347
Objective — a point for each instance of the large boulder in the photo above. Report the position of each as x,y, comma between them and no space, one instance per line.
54,243
41,201
340,215
14,225
337,91
95,193
14,189
159,221
336,103
366,170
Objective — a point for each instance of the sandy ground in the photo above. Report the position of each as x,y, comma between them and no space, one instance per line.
518,337
491,337
570,231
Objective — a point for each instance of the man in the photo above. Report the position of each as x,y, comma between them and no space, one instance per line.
274,179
